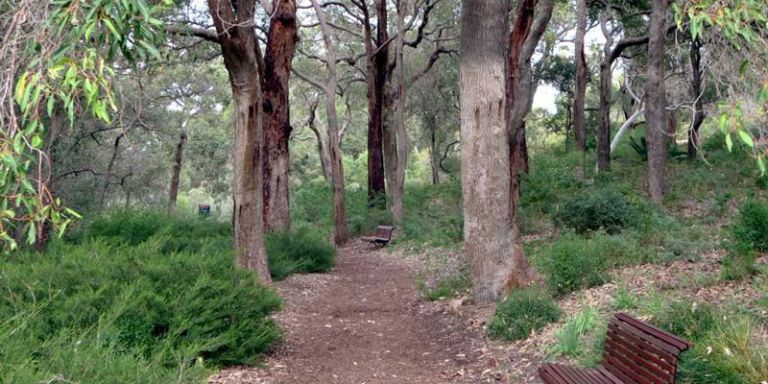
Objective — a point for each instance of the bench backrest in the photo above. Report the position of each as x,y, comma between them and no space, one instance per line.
384,232
638,353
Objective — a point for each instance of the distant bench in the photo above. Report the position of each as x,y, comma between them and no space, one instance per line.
635,353
381,237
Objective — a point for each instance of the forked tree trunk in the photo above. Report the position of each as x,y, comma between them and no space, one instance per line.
281,44
580,93
341,234
178,159
322,144
528,28
655,113
604,105
698,104
485,147
239,46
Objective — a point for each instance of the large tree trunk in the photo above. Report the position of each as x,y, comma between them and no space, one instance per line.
178,158
281,45
655,113
485,148
341,234
401,139
580,93
239,46
376,79
528,28
698,104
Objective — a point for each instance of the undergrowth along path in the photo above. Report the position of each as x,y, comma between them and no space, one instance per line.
363,322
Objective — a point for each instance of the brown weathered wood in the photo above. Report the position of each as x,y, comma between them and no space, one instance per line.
635,353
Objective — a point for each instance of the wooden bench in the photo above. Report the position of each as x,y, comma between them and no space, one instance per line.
381,237
634,353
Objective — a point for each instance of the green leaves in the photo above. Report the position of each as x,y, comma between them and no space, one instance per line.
70,75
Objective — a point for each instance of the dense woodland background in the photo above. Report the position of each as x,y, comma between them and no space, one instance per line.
305,124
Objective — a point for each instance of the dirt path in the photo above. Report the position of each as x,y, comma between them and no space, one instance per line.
364,322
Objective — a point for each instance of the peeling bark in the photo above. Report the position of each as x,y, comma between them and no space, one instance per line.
281,45
233,20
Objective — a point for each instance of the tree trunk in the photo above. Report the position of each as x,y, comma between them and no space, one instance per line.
110,170
281,45
528,28
604,105
341,234
698,104
239,46
655,113
485,147
433,157
322,145
580,93
376,79
401,139
178,157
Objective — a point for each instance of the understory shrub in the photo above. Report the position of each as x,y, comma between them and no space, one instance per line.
725,350
299,251
521,313
100,312
569,338
574,262
605,209
740,263
751,227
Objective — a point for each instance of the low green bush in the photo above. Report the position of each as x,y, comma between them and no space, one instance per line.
751,227
91,310
685,319
740,263
447,287
299,251
574,262
605,209
569,337
521,313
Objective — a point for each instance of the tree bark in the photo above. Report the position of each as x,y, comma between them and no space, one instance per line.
322,145
485,147
655,113
281,45
529,26
610,54
376,79
401,137
178,158
580,93
341,234
233,20
698,104
110,169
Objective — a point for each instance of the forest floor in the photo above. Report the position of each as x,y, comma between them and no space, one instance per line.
365,322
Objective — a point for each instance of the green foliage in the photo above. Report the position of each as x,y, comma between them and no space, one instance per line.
569,338
641,148
751,227
740,263
603,209
87,311
573,262
65,66
688,320
299,251
624,299
521,313
447,287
